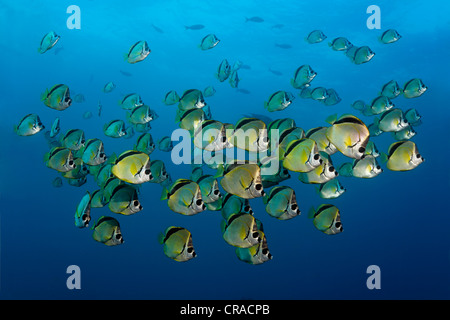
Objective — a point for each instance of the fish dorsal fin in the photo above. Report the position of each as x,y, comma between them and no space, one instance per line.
394,147
127,154
170,232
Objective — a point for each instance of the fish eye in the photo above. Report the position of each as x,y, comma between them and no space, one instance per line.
216,192
294,207
258,186
70,162
255,235
199,202
338,225
265,251
285,171
101,155
418,155
378,167
331,169
136,203
247,208
224,139
83,217
362,150
118,236
147,172
67,99
190,250
316,156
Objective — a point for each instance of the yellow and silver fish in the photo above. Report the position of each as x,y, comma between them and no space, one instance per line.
315,36
243,180
278,101
331,189
348,134
327,219
402,156
107,231
133,167
58,97
141,115
389,36
210,135
131,101
158,170
115,129
48,42
177,243
234,79
404,134
240,230
303,76
340,44
321,174
414,88
138,52
391,121
83,212
250,134
363,55
73,139
257,254
93,152
209,42
184,196
145,143
171,98
381,104
281,203
124,200
302,156
391,90
224,71
232,204
109,87
319,135
413,117
365,168
29,125
60,159
191,99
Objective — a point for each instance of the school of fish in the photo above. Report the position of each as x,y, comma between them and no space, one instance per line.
306,152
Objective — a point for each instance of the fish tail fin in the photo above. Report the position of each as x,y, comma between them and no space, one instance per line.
220,171
330,44
165,194
266,105
383,157
265,198
223,226
161,237
46,157
376,121
15,128
246,19
125,56
293,83
311,212
44,95
331,119
346,169
186,27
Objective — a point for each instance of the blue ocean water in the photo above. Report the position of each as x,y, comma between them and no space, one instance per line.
397,220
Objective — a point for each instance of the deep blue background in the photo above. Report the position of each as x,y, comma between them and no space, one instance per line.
398,220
